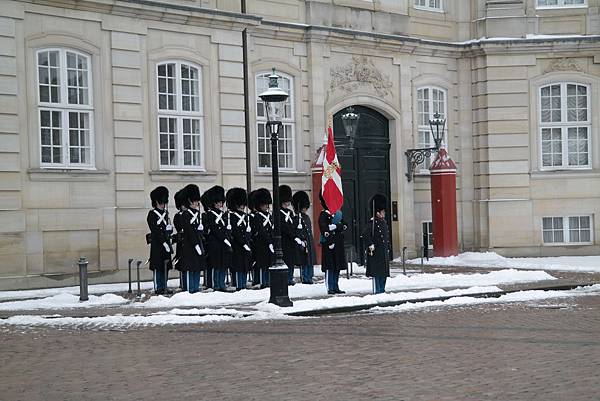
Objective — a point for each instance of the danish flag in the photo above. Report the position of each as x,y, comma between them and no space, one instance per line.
331,182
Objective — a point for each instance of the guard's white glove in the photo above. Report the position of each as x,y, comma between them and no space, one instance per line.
167,248
169,227
246,247
271,248
200,227
226,241
197,247
331,246
298,241
332,227
371,247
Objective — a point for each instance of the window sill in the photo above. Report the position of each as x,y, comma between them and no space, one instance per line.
182,175
433,10
63,174
562,174
570,244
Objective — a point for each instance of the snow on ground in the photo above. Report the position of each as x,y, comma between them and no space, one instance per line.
493,260
355,285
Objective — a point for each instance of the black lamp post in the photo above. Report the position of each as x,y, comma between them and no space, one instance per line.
274,98
414,157
350,121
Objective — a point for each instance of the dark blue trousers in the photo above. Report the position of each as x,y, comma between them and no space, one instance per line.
264,277
218,279
160,280
193,281
332,278
291,275
379,284
240,280
307,273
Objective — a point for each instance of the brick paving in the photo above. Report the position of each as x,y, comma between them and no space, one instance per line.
534,351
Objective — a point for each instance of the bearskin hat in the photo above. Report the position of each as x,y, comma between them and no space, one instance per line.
180,198
251,200
378,203
262,196
323,204
159,195
285,193
215,194
300,200
191,193
236,197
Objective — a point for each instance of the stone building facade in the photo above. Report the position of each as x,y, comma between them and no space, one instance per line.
102,100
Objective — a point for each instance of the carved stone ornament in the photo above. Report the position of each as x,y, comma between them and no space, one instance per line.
563,64
360,71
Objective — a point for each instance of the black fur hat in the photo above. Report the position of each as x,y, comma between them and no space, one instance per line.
262,196
191,193
159,195
180,198
214,195
378,203
236,197
285,193
300,200
323,204
251,201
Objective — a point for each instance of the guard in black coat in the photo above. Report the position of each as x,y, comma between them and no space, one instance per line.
241,232
307,254
159,239
180,204
376,235
290,242
218,237
208,273
333,255
262,234
193,253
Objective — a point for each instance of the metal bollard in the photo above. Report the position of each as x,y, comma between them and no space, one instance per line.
278,286
83,279
422,256
129,267
404,260
139,289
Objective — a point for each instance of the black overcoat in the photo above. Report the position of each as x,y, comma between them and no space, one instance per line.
241,232
158,222
289,233
190,259
215,228
262,234
332,259
304,230
377,234
178,238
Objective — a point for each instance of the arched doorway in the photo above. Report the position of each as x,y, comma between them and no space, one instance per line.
365,171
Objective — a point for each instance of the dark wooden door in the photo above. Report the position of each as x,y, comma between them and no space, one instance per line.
365,171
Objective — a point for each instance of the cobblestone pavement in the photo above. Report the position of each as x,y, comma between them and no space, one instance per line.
528,351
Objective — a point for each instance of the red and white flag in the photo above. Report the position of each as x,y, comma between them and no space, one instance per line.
331,182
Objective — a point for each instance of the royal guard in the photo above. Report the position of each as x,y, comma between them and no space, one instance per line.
180,205
290,242
218,237
333,255
252,213
307,254
159,239
241,258
377,236
193,253
262,233
208,274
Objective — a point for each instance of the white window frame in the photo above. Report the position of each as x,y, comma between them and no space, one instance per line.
566,231
439,9
564,124
64,108
179,115
561,4
422,169
428,224
287,121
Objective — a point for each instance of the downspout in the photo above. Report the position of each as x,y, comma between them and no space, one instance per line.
246,103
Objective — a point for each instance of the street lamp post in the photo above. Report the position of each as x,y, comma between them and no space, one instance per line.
274,98
414,157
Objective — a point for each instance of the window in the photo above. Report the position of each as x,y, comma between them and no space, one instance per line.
285,148
567,230
180,116
435,5
430,100
427,227
65,109
565,126
560,3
